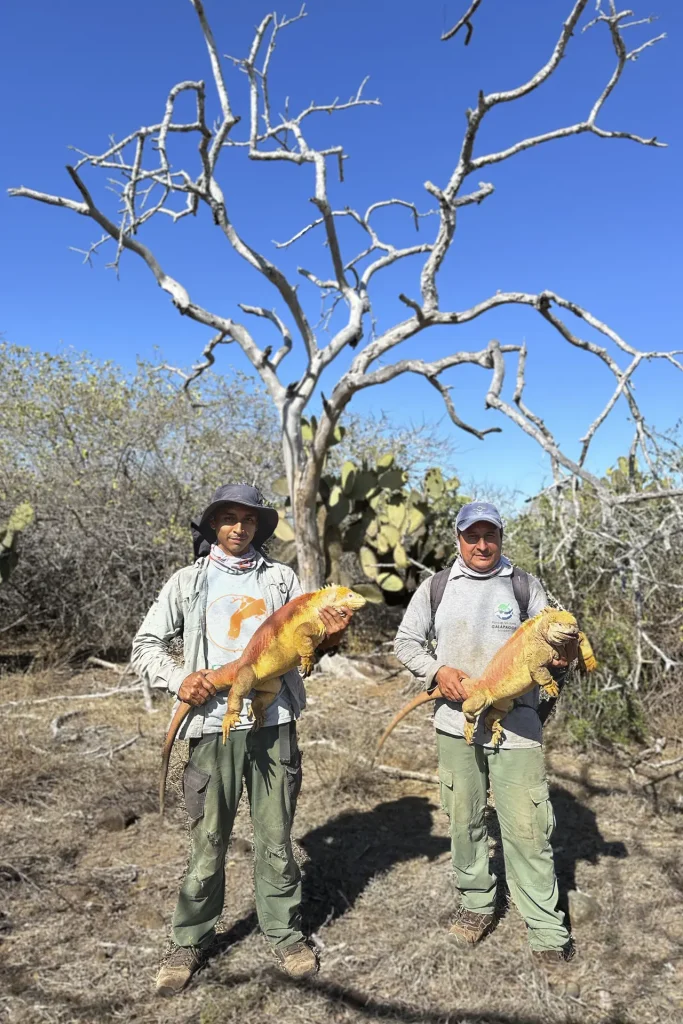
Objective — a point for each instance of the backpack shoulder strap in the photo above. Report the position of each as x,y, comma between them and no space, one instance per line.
520,588
437,585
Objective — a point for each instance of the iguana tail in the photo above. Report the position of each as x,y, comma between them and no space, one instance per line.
178,719
421,698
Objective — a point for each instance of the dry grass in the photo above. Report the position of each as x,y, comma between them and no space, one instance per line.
84,911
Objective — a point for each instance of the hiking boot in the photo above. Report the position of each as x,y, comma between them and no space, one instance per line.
469,927
560,973
177,967
298,960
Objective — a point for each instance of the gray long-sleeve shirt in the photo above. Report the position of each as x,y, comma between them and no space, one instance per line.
474,619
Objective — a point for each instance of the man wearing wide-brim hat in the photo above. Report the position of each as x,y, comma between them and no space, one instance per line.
453,626
216,605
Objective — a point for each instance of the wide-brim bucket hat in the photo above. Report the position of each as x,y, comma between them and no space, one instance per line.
240,494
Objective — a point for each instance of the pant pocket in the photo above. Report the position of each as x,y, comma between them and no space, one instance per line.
446,789
542,819
294,777
195,782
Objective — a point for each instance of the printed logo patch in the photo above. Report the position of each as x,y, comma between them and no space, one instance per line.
504,610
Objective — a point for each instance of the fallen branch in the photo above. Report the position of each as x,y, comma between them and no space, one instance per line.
72,696
121,670
388,769
125,670
57,723
128,947
98,752
405,773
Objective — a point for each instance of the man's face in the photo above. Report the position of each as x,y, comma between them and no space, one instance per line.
480,546
235,526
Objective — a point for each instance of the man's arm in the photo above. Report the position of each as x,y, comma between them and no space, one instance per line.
150,656
409,648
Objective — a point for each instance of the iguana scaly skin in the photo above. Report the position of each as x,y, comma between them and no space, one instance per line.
286,640
516,668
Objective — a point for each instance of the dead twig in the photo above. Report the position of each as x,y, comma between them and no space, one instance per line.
98,752
72,696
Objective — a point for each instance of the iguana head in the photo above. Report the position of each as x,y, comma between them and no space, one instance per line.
339,597
560,627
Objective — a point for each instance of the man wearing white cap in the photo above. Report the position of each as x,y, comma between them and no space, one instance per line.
470,611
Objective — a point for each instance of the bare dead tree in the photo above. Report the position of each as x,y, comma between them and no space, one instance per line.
148,187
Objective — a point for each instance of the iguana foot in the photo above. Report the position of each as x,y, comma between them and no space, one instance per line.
468,731
551,689
259,719
307,666
229,722
587,660
497,734
492,722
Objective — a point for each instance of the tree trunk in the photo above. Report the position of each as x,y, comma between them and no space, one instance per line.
309,552
303,478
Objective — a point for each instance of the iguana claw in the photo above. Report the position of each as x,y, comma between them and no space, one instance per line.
229,722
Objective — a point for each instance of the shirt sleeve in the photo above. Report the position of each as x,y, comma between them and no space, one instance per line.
150,655
409,645
294,586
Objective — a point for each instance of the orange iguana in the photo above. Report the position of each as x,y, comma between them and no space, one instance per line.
516,668
288,638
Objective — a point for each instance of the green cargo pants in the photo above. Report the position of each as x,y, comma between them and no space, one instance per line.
520,790
212,786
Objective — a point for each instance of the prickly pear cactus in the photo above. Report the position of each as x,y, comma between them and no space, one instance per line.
394,530
20,518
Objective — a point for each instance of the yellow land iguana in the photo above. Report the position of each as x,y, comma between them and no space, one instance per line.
288,638
520,664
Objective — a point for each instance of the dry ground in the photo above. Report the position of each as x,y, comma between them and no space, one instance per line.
85,902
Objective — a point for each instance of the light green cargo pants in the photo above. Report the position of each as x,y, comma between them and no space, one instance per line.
212,785
525,815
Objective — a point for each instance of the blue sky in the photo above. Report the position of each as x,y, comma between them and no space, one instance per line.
597,221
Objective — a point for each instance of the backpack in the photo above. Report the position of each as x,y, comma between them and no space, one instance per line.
200,545
520,588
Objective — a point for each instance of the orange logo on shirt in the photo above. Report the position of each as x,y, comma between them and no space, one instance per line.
248,607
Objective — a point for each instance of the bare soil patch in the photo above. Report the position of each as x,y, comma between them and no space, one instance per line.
89,876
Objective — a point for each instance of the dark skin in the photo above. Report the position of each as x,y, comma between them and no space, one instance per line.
235,527
480,547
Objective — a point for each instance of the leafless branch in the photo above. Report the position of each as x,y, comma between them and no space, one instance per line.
464,22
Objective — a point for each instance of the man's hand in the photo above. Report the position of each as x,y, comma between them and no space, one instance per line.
451,682
197,688
564,656
335,621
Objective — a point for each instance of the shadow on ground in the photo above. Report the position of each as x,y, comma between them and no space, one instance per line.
576,837
347,852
